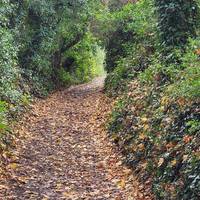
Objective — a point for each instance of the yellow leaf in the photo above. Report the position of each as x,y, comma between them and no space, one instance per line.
141,147
115,137
45,197
144,165
127,171
164,101
146,127
59,185
121,184
162,108
58,141
161,161
144,119
13,165
3,187
66,194
173,162
142,136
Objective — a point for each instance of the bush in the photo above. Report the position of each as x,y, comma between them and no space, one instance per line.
135,31
9,70
187,81
156,124
3,123
64,77
116,81
177,21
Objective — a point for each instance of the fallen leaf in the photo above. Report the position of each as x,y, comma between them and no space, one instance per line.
173,162
141,147
146,127
187,139
142,136
13,166
3,187
185,157
121,184
144,119
161,161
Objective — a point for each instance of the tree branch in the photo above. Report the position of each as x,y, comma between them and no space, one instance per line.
76,40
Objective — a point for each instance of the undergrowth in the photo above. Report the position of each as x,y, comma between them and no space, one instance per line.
156,119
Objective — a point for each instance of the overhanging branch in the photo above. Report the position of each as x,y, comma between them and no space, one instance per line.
76,40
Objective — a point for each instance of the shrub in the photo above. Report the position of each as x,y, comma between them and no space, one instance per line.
64,77
3,123
9,70
187,81
177,21
135,30
116,81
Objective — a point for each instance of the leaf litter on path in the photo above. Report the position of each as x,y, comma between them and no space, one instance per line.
63,152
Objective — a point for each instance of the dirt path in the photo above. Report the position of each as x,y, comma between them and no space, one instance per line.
63,152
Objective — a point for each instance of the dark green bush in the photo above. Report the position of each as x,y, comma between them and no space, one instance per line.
177,20
116,81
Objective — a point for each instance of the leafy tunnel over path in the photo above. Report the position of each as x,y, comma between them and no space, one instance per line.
63,152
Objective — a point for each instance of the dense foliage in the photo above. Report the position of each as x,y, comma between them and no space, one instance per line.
44,45
152,59
129,55
169,13
156,120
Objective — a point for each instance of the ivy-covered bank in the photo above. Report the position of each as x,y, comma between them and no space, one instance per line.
44,45
154,75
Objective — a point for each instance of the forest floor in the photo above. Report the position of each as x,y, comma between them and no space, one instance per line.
63,152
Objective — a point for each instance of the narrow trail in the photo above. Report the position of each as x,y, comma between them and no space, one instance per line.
63,152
